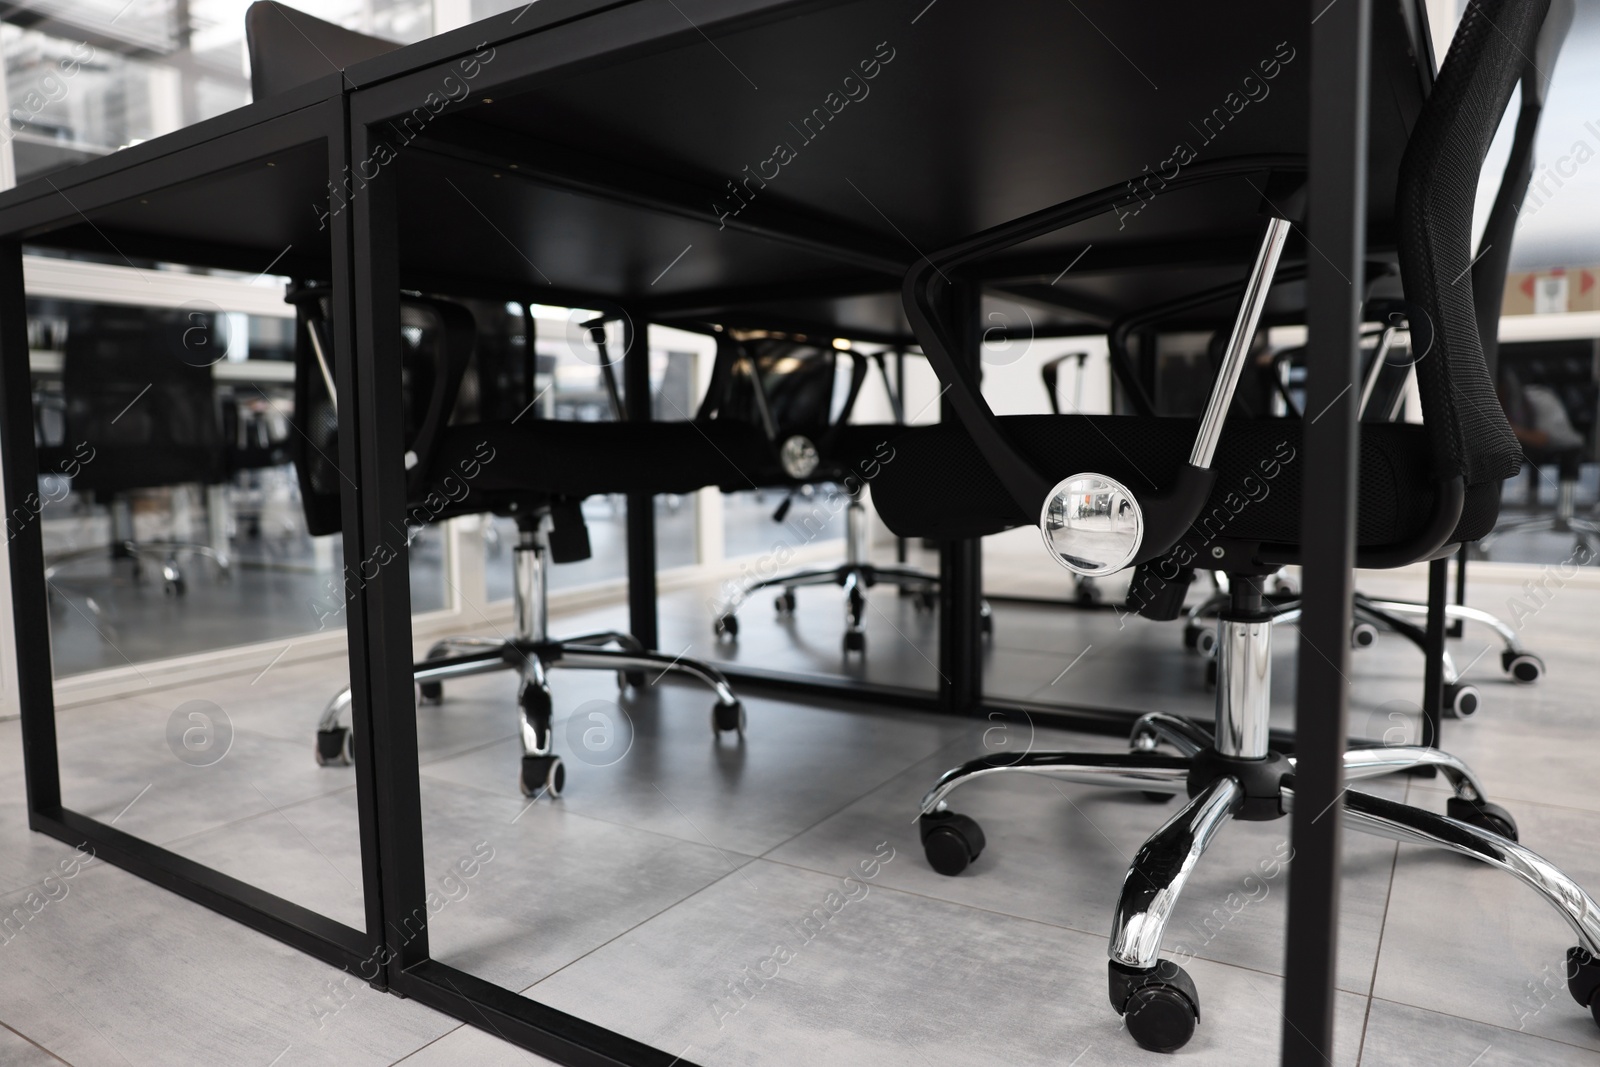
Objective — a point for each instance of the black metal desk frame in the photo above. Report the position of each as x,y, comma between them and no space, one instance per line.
366,284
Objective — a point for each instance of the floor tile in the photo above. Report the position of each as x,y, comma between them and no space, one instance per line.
1467,940
890,979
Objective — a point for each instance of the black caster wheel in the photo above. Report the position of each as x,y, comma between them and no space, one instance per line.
631,680
952,842
855,641
727,718
927,600
432,692
174,587
1525,667
543,775
1363,635
1160,1007
1211,673
1583,979
333,747
784,602
1483,815
726,626
1191,638
1461,701
1205,642
986,623
1157,798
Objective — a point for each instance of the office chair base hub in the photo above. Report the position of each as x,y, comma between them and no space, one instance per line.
1226,774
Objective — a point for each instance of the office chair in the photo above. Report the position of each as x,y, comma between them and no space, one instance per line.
488,465
137,389
1382,397
1423,490
535,470
786,387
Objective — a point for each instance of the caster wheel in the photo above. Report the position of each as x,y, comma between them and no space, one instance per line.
1160,1007
927,600
543,774
952,842
1205,642
1191,638
986,623
1525,667
1483,815
727,718
1158,798
726,626
174,587
1461,701
784,602
855,641
432,692
631,680
1583,979
1211,674
333,747
1363,635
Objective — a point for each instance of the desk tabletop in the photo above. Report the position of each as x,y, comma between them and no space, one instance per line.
702,157
772,161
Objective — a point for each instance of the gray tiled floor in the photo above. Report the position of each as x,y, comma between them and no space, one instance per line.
658,878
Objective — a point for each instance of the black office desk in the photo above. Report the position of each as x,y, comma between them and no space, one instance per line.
578,152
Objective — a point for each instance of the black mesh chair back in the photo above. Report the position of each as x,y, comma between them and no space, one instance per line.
289,48
1468,432
437,339
138,389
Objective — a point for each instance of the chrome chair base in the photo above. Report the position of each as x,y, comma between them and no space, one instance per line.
533,655
1228,774
164,554
855,576
1462,699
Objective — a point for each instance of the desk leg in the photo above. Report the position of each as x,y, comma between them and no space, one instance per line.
642,619
30,617
377,563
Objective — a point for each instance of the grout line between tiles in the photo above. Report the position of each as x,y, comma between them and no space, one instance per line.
34,1043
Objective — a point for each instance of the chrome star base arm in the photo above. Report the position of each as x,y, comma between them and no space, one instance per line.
1161,869
1412,825
1147,771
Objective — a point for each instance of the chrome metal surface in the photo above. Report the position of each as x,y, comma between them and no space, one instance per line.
1244,687
1402,822
1393,759
1092,524
1162,867
528,583
799,457
334,712
608,659
488,663
1244,332
1454,611
1375,368
538,739
855,532
1180,733
1149,772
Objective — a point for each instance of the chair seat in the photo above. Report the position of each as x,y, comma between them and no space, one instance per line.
579,459
937,485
